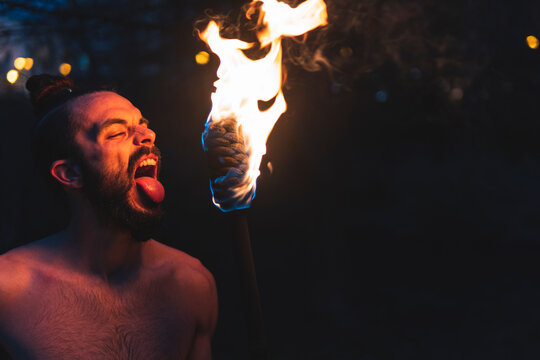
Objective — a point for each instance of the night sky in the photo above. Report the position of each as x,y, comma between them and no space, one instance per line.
400,220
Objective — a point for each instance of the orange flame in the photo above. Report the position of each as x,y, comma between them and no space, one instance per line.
242,82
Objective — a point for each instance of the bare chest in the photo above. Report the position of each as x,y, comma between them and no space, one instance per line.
59,320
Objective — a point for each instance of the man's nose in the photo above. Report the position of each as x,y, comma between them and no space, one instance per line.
144,136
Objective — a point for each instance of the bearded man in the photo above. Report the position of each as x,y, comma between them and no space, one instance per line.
102,288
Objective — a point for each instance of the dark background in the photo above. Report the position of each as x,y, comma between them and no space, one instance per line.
400,221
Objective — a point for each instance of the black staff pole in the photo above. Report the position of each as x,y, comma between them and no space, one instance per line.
242,245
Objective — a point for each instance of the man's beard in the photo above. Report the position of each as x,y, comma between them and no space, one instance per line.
109,194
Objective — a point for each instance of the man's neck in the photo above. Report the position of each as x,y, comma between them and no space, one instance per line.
102,250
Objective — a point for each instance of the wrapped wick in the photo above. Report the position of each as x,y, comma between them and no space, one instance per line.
228,162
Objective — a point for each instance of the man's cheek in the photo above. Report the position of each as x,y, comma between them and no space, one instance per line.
120,163
112,167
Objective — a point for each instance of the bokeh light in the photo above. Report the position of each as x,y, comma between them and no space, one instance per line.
19,63
346,51
28,63
64,69
456,94
416,73
335,88
381,96
532,41
84,63
12,76
202,58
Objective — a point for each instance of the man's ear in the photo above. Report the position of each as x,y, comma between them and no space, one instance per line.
67,173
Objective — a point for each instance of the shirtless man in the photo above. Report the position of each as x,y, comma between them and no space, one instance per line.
102,288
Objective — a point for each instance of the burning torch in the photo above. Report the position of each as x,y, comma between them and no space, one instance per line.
237,128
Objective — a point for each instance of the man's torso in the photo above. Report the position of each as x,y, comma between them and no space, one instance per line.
59,315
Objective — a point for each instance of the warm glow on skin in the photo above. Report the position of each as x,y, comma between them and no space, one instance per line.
532,41
65,69
12,76
96,264
202,58
111,130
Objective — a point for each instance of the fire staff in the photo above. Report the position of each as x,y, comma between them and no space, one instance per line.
102,288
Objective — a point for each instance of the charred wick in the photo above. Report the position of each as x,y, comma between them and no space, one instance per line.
225,148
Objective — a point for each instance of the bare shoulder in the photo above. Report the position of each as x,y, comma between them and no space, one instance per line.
15,276
177,259
194,285
18,266
190,275
188,270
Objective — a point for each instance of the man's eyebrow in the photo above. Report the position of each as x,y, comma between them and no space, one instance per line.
98,128
110,122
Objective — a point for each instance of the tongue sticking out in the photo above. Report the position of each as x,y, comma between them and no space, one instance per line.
151,187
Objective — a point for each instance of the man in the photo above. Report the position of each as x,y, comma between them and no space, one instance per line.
102,288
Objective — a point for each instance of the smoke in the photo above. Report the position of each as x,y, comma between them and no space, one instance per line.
378,42
362,36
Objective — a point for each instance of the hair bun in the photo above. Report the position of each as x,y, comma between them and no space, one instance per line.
48,92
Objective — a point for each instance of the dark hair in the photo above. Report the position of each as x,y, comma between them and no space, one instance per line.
53,132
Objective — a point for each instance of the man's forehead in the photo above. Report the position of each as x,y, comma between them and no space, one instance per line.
100,106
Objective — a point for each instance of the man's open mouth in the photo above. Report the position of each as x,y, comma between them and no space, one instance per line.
145,177
146,167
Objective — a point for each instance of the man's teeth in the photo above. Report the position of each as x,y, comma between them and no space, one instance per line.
148,162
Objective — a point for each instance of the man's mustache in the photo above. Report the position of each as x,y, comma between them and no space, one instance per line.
144,151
